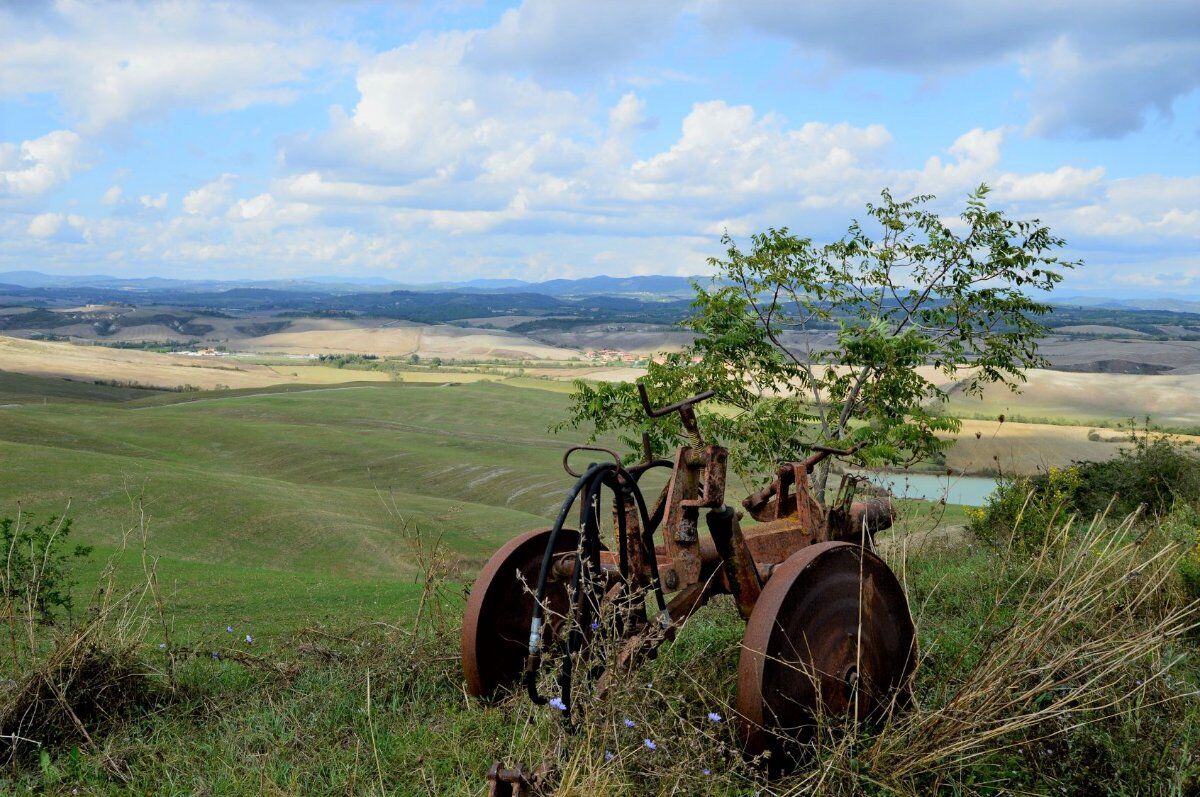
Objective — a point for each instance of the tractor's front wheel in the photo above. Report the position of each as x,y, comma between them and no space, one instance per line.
831,635
495,634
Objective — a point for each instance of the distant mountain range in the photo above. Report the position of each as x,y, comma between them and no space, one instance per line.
650,287
1157,303
664,286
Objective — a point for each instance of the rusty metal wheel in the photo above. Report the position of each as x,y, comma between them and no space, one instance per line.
495,634
830,635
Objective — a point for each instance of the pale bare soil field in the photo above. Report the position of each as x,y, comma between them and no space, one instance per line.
1170,399
594,373
1027,448
387,338
1182,356
1100,329
506,321
273,335
151,369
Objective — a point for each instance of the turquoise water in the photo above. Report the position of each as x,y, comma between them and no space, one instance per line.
967,490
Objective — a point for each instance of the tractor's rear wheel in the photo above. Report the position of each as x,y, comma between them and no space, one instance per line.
831,635
495,634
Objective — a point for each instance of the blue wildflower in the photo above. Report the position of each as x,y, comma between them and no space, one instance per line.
705,771
162,645
629,723
228,629
249,639
558,704
650,745
714,716
216,656
595,625
608,756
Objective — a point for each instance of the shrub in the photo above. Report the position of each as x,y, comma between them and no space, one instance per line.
35,578
1183,526
1023,511
1156,476
1155,473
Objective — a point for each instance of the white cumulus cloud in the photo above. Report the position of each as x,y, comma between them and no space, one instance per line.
38,166
111,62
210,198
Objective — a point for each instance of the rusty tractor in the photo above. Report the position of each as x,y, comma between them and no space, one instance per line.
828,624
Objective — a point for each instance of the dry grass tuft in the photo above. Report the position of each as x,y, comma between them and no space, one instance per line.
68,683
1086,631
88,680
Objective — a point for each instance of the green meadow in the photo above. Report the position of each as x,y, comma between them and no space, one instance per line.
271,510
321,522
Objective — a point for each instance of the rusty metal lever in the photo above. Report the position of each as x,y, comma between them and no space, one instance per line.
678,405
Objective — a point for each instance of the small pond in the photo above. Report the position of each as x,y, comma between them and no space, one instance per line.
967,490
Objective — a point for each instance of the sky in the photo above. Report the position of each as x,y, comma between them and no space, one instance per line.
426,142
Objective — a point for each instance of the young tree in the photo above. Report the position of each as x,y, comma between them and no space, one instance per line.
851,343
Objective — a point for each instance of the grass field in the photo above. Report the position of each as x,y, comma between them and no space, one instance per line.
290,514
152,369
294,480
292,489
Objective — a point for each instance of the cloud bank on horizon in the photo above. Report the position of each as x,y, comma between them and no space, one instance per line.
564,138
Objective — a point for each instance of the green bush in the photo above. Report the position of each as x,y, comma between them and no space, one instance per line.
35,575
1155,475
1182,525
1023,511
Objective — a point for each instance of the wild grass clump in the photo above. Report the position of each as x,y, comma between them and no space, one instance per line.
69,679
1077,641
92,676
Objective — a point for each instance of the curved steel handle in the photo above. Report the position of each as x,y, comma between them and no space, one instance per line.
678,405
567,456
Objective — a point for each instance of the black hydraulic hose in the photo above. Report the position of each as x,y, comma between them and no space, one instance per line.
540,588
591,484
586,556
535,625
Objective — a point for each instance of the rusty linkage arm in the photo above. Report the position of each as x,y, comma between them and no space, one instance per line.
685,408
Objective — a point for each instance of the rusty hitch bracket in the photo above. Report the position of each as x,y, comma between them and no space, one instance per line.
519,781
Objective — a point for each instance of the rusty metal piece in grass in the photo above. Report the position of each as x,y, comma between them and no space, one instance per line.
520,781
